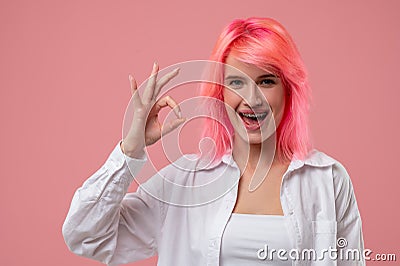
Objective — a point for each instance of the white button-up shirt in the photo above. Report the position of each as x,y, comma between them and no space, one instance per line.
108,224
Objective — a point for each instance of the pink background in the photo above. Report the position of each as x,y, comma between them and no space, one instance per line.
64,89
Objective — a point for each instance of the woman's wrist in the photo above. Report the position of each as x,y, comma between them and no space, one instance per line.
135,152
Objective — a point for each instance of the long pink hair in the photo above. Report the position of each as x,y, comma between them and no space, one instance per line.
266,44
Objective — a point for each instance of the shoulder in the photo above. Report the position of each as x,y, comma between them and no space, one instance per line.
191,168
321,167
317,158
186,163
340,177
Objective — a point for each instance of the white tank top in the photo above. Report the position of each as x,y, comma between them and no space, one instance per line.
246,234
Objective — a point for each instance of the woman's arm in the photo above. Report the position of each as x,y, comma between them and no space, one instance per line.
105,224
349,225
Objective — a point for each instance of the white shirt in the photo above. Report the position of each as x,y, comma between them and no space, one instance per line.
109,225
252,240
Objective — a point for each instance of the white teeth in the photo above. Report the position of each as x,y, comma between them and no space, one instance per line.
261,115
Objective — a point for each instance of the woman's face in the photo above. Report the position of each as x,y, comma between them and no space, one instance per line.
252,98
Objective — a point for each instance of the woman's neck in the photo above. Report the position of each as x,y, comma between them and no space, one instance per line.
252,157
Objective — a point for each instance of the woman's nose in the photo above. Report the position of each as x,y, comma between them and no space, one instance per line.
253,97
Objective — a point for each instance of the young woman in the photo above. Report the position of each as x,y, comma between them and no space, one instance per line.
286,203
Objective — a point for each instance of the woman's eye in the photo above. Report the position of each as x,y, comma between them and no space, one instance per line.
267,82
236,83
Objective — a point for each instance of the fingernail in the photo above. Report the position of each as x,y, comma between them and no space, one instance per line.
155,65
130,77
180,114
177,69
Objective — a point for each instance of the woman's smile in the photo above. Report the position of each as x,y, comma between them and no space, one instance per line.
253,120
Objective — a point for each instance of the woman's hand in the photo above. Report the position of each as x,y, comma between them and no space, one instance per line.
145,128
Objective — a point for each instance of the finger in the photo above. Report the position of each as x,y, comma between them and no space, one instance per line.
172,125
164,80
149,90
168,101
135,93
133,83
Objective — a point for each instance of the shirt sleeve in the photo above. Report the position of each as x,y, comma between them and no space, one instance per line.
106,224
349,226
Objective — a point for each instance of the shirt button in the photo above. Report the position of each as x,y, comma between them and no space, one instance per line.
291,212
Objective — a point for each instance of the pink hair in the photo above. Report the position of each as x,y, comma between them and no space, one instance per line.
266,44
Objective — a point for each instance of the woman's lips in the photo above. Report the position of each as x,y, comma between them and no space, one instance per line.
253,120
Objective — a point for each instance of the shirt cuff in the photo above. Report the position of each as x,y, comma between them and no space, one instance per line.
117,160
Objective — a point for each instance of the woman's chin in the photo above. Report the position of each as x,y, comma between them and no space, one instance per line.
253,137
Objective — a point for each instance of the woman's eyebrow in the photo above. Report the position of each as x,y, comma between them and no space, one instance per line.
234,77
267,76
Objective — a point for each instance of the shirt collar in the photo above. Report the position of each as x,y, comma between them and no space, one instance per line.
314,158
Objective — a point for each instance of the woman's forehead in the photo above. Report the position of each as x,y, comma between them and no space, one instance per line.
236,67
